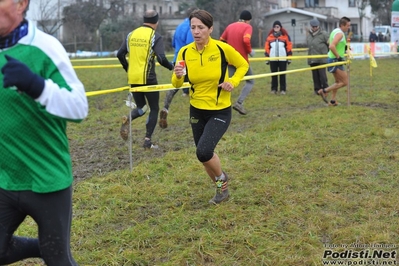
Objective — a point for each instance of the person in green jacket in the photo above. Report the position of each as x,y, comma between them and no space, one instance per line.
39,93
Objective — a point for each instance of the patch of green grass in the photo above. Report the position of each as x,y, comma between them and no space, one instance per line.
302,175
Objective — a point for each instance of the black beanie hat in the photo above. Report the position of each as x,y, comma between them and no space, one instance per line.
277,23
151,20
245,15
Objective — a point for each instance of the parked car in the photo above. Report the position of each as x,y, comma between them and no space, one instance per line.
385,31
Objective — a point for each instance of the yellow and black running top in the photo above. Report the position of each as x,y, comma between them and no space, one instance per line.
207,69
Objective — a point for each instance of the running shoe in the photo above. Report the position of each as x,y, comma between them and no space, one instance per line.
163,115
333,103
124,132
222,192
239,108
149,145
323,95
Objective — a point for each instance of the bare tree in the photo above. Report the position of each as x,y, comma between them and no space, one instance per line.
82,21
48,15
361,6
382,9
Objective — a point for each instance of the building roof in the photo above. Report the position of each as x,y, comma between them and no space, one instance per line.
294,10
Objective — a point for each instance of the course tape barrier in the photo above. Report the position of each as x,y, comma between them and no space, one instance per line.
98,66
168,55
250,59
354,55
164,87
361,51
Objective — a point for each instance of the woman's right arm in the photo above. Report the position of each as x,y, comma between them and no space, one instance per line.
177,76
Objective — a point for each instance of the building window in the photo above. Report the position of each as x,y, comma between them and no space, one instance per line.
352,3
154,7
170,10
145,7
134,7
311,3
354,29
160,10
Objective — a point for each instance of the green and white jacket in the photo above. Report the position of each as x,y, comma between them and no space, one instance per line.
34,149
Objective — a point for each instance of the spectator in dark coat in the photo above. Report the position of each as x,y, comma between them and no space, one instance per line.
373,36
317,41
380,37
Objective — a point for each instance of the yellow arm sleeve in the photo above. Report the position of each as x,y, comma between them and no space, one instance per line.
234,58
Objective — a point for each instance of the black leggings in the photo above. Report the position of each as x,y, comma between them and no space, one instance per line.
208,128
51,211
153,104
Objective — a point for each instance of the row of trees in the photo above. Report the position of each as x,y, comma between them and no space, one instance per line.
102,24
382,10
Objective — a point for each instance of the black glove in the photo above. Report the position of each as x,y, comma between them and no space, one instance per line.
19,75
340,59
267,61
288,62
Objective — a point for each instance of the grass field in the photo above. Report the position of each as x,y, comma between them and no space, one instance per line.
305,178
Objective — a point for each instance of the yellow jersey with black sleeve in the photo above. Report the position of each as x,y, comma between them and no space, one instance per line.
141,55
207,69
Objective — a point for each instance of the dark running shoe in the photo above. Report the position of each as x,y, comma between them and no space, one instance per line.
333,103
149,145
222,191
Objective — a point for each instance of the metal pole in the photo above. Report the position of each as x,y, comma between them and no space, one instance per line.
131,106
348,88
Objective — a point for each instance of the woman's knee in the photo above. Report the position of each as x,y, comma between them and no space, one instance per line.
203,155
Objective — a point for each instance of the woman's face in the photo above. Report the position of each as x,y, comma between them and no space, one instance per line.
276,28
200,31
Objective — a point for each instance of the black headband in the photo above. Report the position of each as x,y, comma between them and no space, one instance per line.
152,20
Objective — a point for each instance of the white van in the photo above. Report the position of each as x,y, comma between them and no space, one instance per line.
385,31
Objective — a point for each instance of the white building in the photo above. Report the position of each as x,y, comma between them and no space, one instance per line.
163,7
335,9
48,13
284,3
295,21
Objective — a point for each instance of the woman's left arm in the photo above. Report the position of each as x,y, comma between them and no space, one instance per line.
235,58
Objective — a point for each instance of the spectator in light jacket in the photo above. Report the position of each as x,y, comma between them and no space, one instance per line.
278,44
